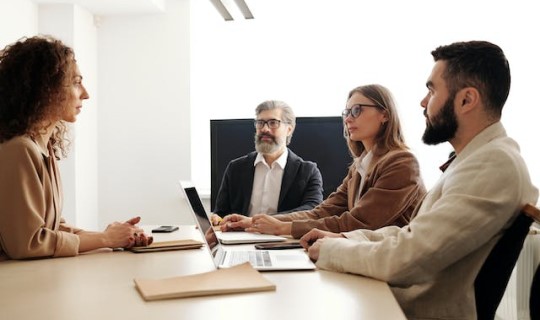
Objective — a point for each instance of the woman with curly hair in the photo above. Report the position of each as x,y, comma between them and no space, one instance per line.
40,90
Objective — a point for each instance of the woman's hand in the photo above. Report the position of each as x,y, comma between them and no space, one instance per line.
126,234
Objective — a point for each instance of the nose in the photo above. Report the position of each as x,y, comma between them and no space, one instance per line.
85,94
424,101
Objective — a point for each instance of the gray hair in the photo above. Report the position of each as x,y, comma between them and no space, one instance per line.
287,114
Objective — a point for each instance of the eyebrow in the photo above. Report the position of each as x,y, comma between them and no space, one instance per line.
429,84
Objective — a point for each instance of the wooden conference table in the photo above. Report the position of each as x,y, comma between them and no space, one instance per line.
100,286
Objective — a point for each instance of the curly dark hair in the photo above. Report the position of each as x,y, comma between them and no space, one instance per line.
33,73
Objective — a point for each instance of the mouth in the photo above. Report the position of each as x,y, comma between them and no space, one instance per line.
265,137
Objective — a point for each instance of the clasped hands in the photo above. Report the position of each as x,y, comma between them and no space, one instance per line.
127,234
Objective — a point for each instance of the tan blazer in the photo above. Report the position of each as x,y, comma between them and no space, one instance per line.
31,224
391,191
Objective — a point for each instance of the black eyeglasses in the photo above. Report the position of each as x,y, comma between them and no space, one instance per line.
357,109
272,123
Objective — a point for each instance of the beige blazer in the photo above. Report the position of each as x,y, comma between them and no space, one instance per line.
431,264
31,224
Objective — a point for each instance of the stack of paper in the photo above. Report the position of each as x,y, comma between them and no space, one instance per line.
240,278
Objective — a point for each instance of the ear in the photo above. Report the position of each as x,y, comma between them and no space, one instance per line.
467,99
290,130
384,117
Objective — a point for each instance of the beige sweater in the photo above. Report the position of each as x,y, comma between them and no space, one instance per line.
31,224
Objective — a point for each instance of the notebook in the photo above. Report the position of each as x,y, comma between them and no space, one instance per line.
168,245
262,260
230,237
238,279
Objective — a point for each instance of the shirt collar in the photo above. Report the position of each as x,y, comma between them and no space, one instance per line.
281,161
363,162
45,152
494,131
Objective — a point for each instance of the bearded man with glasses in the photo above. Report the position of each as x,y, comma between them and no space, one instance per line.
272,179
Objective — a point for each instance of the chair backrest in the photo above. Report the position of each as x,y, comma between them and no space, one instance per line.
534,300
492,279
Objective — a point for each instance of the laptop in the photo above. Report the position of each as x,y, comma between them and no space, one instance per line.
230,237
262,260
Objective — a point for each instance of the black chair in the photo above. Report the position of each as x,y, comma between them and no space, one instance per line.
493,277
534,300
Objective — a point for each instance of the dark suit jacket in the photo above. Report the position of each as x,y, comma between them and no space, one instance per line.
301,187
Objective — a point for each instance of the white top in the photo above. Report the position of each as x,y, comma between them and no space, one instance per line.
362,165
267,184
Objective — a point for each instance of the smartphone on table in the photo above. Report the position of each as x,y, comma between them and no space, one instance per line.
164,229
278,246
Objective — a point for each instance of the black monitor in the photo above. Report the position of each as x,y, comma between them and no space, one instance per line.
317,139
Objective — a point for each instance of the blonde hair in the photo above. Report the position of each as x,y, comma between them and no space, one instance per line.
390,135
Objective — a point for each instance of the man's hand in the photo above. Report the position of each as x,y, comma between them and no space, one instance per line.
235,222
215,219
313,240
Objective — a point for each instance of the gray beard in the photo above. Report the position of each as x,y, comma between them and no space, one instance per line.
266,147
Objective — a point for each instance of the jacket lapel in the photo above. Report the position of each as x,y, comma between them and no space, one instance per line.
289,175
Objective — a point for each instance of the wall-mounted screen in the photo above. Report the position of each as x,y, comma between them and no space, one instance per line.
317,139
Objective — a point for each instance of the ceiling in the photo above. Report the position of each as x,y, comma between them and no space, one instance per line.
114,7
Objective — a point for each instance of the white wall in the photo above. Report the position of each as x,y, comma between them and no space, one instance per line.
144,115
311,53
18,18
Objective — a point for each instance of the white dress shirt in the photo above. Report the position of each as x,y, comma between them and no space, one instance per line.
362,165
267,184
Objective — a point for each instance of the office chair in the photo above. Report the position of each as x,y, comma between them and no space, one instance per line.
493,277
534,300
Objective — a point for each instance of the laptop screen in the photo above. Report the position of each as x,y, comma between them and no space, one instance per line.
197,206
202,218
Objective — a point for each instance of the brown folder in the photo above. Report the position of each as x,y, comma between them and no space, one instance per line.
169,245
237,279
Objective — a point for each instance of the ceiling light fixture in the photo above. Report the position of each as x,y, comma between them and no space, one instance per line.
225,7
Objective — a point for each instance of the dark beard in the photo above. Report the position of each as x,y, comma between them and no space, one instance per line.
443,126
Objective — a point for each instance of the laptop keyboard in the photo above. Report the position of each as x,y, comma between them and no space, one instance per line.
256,258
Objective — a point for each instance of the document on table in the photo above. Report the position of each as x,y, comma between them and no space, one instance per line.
238,279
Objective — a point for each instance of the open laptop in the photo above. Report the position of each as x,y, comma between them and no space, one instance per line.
262,260
230,237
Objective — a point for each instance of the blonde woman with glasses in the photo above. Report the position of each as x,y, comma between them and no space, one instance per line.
382,187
